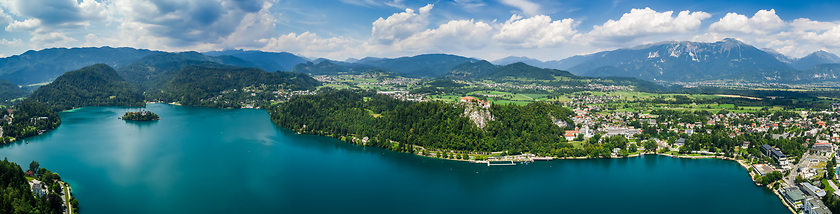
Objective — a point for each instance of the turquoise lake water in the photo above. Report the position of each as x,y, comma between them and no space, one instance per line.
204,160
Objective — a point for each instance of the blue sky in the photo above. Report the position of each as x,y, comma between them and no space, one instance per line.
486,29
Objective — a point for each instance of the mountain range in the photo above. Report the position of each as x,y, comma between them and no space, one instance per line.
45,65
729,59
726,60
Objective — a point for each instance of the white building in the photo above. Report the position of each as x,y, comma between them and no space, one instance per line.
814,205
37,188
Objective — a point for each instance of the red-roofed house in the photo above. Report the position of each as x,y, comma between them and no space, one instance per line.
822,146
570,136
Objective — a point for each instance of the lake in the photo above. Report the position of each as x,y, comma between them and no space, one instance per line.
205,160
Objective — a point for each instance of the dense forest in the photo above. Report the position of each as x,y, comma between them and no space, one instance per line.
196,85
153,71
327,67
400,125
16,195
9,91
95,85
524,74
29,118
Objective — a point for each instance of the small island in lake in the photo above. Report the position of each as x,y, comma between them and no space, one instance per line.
140,116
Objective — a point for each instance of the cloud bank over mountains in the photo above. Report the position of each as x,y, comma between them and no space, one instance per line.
522,27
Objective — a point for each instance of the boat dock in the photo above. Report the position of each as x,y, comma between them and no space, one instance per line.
501,163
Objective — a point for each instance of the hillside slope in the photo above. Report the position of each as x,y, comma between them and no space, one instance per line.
196,85
95,85
268,61
426,65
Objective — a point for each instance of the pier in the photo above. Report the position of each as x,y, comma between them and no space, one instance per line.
501,163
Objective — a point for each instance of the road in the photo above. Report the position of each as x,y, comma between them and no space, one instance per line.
65,196
802,163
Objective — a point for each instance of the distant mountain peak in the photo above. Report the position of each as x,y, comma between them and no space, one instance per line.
780,56
816,58
732,40
684,61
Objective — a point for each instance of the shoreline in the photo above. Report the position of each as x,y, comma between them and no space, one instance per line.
746,167
740,162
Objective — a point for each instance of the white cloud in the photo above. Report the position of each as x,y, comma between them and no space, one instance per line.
395,3
5,18
645,22
470,4
829,38
375,3
55,15
14,43
305,43
708,37
804,24
196,23
535,32
50,39
763,22
453,35
25,25
91,40
400,25
527,7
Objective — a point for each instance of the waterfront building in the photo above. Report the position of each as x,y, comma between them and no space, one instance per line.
812,190
679,142
776,154
794,197
762,169
814,205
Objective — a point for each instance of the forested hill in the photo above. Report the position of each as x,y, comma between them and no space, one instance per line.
17,196
195,85
268,61
521,73
29,118
152,71
426,65
397,125
328,67
10,91
471,70
95,85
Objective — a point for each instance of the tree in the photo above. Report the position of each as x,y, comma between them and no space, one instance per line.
650,145
633,148
684,149
579,137
34,166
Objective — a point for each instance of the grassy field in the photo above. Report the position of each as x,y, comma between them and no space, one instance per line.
506,102
536,96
